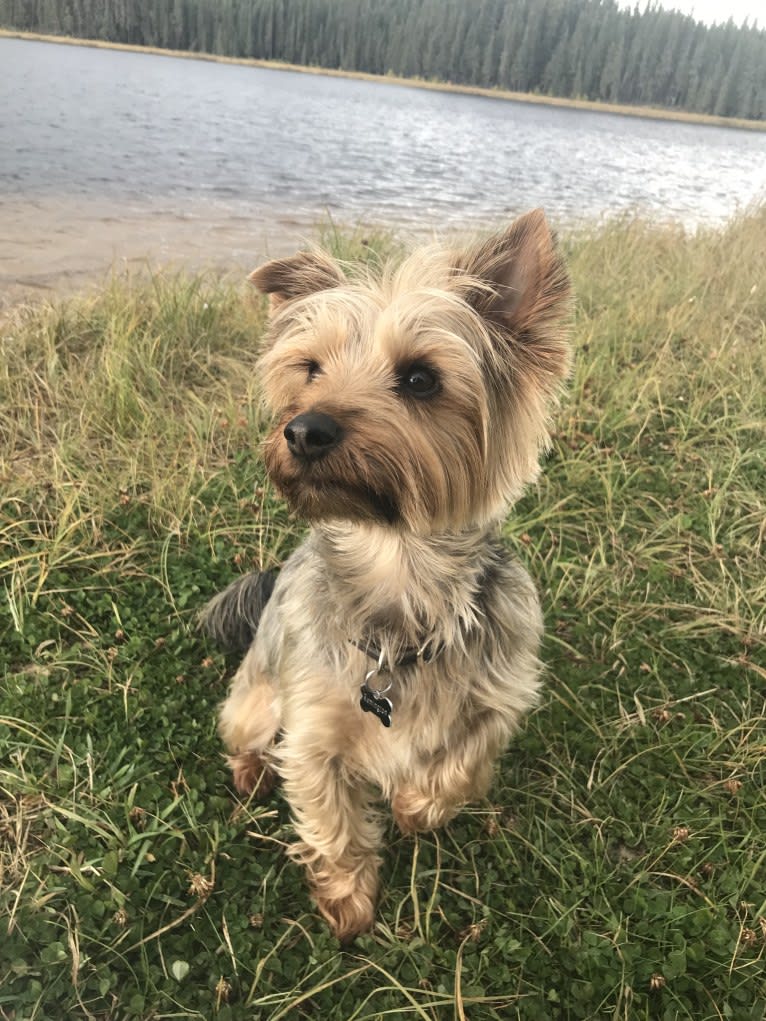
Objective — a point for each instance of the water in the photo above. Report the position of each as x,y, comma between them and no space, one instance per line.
133,134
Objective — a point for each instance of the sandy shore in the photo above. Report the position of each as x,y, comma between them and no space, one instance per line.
51,245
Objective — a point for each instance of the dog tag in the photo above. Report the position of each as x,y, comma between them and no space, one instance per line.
378,705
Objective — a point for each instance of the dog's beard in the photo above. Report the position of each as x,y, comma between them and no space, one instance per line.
319,497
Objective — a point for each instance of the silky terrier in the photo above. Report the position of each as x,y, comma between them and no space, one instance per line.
394,653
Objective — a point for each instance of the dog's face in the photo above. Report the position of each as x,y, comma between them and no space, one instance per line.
420,399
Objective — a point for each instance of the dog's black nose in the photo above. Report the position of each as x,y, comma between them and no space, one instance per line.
312,435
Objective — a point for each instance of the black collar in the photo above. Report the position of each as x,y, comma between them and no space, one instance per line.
426,653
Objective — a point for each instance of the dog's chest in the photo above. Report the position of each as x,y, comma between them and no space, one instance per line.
422,714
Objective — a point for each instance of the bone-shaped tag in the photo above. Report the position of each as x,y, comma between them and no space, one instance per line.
377,705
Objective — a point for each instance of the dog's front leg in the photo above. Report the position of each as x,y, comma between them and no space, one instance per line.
454,776
248,723
340,832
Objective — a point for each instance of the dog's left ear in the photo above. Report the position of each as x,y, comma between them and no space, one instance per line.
296,277
520,284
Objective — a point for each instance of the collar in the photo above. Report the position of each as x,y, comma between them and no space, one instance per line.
427,652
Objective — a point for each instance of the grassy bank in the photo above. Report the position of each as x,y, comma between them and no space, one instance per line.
617,870
653,112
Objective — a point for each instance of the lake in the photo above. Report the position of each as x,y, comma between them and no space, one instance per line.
98,145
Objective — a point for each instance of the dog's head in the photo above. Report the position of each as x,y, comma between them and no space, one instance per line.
419,398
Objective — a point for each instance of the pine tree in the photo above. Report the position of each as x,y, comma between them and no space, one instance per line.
588,48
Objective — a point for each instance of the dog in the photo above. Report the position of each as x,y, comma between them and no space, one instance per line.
393,655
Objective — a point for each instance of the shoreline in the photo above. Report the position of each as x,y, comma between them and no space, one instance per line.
643,112
53,246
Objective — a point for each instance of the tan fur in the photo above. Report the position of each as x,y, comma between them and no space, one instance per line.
403,550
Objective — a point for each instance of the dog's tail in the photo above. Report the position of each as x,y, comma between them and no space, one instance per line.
231,618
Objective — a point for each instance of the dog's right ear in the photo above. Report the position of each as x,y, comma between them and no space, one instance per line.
296,277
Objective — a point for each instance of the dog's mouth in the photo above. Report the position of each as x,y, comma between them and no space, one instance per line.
386,507
326,498
330,487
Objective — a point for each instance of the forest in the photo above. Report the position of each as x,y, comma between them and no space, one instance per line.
587,49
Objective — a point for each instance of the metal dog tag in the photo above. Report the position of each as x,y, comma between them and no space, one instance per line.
375,703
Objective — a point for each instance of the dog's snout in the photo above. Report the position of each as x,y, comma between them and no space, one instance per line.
312,435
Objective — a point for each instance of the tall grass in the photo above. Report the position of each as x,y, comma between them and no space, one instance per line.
617,869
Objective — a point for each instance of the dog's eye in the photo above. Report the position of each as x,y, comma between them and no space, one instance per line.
312,370
419,381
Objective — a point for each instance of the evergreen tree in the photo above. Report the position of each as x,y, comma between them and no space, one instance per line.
588,48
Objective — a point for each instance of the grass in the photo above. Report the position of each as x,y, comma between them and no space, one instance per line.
617,870
625,109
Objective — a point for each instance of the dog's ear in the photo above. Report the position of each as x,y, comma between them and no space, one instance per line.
296,277
520,284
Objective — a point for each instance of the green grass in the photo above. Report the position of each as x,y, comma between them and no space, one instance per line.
618,869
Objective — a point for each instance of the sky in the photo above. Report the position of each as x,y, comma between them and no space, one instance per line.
712,11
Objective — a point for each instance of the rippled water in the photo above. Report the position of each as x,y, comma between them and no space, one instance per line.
134,129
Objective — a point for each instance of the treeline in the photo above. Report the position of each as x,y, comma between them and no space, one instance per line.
589,49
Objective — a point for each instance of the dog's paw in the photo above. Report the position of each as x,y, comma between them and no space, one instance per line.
347,916
414,812
251,774
344,891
